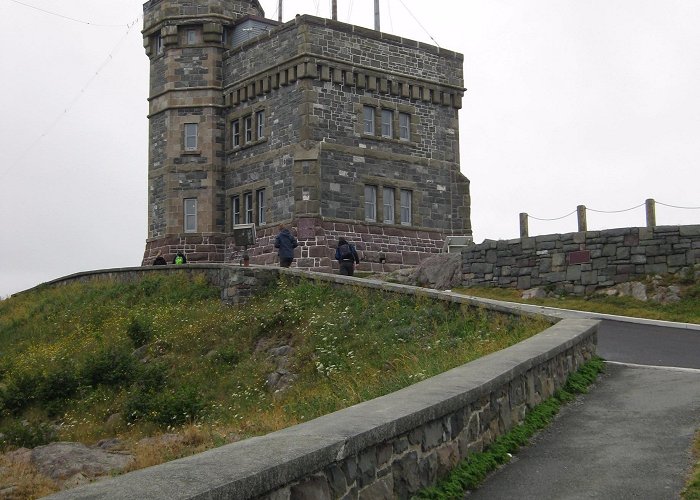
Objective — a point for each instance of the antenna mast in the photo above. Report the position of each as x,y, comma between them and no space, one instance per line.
279,10
376,15
334,10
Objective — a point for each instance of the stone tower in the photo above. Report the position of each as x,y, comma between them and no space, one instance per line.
334,129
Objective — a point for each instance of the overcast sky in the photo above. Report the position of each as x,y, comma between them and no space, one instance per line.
569,102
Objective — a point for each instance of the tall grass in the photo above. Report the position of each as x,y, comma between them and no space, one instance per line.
687,310
86,362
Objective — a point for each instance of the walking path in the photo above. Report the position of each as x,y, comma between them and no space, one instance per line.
630,436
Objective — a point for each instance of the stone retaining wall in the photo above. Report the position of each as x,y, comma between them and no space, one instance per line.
389,447
581,262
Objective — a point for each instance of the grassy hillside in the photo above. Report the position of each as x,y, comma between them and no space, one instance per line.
87,362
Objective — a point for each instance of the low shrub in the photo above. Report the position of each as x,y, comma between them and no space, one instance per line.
112,365
167,408
26,434
140,331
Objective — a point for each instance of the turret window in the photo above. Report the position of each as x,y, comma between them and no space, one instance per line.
190,215
191,132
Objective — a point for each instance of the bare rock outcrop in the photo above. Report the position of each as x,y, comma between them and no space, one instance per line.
65,462
441,272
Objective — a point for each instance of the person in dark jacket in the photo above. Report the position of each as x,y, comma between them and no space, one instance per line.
180,258
159,261
285,242
346,255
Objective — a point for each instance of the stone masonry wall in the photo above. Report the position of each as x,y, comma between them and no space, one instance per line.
581,262
381,248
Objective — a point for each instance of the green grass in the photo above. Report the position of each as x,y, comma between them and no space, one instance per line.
686,311
471,472
85,362
692,489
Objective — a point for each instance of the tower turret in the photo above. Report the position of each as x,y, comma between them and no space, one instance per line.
185,41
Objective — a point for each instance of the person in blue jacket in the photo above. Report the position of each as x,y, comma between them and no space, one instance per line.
346,255
285,242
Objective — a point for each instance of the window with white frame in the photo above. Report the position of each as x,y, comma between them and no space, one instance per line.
236,210
371,203
190,206
387,123
406,202
191,36
159,44
404,126
248,128
388,201
235,133
248,203
369,120
191,132
261,206
260,124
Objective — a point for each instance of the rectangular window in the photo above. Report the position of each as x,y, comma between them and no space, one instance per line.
388,200
191,37
248,202
191,215
260,124
248,128
369,120
191,131
159,44
261,206
236,210
406,202
235,133
404,126
387,119
370,203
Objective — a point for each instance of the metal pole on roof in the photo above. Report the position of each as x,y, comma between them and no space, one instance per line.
334,10
279,9
376,15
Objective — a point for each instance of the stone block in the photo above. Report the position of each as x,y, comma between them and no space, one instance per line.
676,260
524,282
573,273
638,259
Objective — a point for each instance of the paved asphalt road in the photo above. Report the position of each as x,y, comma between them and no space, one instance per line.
629,437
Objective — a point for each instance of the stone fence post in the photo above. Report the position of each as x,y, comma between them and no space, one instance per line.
524,230
581,213
651,212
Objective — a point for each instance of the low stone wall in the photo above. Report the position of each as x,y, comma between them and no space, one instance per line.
581,262
236,283
389,447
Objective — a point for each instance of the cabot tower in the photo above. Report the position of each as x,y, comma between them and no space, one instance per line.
330,128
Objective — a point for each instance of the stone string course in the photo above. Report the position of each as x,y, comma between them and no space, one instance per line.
385,448
581,262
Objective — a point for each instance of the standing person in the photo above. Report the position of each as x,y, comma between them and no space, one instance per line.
285,242
180,258
160,260
346,255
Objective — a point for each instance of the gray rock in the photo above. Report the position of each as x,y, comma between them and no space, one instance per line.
534,293
62,461
441,272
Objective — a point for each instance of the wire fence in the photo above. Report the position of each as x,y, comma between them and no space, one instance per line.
581,211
